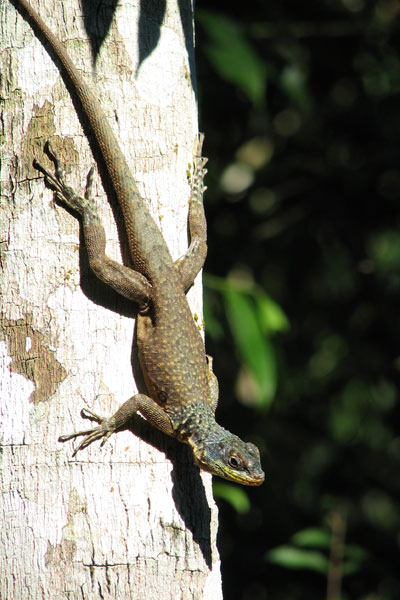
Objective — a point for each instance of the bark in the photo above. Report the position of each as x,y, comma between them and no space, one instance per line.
134,519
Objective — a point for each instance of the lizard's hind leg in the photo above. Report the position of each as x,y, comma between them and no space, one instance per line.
127,282
192,261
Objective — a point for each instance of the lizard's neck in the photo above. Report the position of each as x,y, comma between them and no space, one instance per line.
201,429
207,435
197,425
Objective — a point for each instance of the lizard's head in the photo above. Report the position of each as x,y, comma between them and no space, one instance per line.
230,458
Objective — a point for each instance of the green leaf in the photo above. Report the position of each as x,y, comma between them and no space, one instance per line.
234,495
312,536
294,558
354,557
255,347
354,552
232,55
350,566
271,316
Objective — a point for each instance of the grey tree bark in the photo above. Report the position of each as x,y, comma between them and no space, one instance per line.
134,519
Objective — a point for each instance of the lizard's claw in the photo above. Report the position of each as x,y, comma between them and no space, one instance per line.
56,182
104,430
199,146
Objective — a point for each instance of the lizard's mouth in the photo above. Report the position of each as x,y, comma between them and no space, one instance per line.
257,479
253,479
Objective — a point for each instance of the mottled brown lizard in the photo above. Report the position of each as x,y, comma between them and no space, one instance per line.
182,389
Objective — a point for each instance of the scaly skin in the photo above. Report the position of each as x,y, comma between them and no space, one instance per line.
182,387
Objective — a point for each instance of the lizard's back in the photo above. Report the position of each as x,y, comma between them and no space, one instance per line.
171,349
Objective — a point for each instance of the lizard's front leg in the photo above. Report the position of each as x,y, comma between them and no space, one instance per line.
125,281
107,426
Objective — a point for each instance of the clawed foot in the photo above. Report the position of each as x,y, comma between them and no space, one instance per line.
199,172
104,430
57,183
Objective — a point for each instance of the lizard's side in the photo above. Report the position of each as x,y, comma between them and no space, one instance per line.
182,389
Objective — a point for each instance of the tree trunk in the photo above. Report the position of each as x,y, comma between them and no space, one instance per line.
134,519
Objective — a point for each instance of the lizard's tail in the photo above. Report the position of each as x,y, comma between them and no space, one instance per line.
136,215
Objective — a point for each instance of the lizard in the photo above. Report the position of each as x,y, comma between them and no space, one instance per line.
182,388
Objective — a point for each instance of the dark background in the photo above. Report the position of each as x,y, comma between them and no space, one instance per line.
300,105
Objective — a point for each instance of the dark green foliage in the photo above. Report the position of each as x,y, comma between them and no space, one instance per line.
300,103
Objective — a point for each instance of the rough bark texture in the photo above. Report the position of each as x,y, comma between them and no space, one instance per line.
134,519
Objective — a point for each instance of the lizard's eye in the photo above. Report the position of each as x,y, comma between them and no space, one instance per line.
234,461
